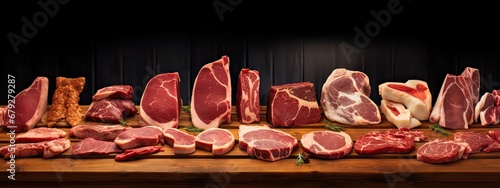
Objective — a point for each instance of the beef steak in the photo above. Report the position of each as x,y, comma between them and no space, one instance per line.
265,143
218,141
443,151
327,144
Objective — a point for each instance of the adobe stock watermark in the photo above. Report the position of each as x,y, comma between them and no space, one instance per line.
38,20
222,179
372,28
222,7
405,170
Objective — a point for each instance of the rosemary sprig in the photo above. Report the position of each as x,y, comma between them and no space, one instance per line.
193,129
302,158
439,129
187,110
123,123
333,126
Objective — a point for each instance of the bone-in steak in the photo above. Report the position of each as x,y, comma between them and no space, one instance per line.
265,143
161,101
219,141
443,151
327,144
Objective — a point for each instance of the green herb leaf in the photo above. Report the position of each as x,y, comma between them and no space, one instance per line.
187,110
193,129
439,129
123,122
333,126
302,158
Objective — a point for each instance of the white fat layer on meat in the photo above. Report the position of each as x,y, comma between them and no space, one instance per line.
302,102
218,149
442,118
180,148
42,103
308,140
245,97
420,109
480,105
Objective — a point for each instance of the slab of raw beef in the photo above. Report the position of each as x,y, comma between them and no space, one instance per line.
455,104
49,149
345,98
476,141
183,143
327,144
138,152
494,134
265,143
40,134
114,92
91,146
376,142
494,147
488,108
292,104
110,110
29,106
247,96
161,101
56,147
97,131
417,136
414,95
397,114
443,151
211,98
143,136
219,141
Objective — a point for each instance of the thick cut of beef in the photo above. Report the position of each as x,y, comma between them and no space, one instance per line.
376,142
397,114
91,146
40,134
265,143
98,132
144,136
138,152
27,107
211,98
494,147
114,92
417,136
183,143
327,144
292,104
161,101
414,94
476,141
488,108
110,110
219,141
56,147
443,151
345,98
455,104
494,134
247,96
49,149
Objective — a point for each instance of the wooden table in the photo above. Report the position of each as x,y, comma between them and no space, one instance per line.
237,169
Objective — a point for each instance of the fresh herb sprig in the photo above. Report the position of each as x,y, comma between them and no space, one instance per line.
193,129
187,110
439,129
123,123
333,126
302,158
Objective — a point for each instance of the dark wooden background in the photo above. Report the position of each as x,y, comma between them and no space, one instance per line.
129,42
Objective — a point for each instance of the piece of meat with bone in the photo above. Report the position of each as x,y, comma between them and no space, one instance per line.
292,104
97,131
183,143
443,151
247,96
265,143
414,95
397,114
161,101
218,141
345,98
327,144
114,92
91,146
138,152
111,110
476,141
488,108
211,98
143,136
376,142
40,134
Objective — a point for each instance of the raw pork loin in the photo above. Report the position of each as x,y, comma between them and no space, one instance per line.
265,143
476,141
247,96
327,144
211,99
345,98
292,104
40,134
161,101
376,142
114,92
49,149
98,132
455,105
183,143
30,104
443,151
397,114
91,146
144,136
111,110
219,141
138,152
488,108
414,94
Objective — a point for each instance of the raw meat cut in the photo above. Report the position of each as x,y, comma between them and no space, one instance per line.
138,152
416,136
49,149
144,136
397,114
98,132
247,96
55,147
265,143
494,147
161,101
327,144
376,142
28,106
292,104
488,108
114,92
219,141
91,146
476,141
455,104
414,95
345,98
494,134
40,134
183,143
443,151
211,98
111,110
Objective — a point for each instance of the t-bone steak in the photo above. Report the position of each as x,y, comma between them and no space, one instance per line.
376,142
345,98
114,92
265,143
476,141
91,146
247,96
183,143
397,114
211,98
327,144
27,108
414,95
292,104
40,134
97,131
443,151
219,141
138,152
110,110
143,136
